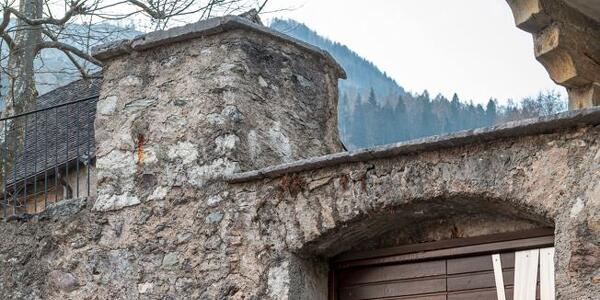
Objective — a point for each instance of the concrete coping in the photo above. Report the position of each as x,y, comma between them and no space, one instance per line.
527,127
201,29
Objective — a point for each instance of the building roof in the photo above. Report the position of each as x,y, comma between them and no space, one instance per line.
75,90
59,130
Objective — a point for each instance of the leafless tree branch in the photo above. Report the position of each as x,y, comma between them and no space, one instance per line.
69,48
262,6
152,12
75,9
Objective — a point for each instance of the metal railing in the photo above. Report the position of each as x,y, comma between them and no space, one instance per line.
47,156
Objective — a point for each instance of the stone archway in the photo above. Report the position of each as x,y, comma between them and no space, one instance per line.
418,221
414,221
313,210
426,220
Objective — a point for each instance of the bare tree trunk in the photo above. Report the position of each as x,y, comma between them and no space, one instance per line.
22,93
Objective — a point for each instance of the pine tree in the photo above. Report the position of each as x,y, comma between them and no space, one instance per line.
428,119
372,100
357,123
491,112
343,116
455,114
401,120
373,120
480,117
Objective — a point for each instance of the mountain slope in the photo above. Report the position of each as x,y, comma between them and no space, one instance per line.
362,74
373,109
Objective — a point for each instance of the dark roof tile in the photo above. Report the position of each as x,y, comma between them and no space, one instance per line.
55,133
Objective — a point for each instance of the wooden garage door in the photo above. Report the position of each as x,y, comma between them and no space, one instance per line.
456,269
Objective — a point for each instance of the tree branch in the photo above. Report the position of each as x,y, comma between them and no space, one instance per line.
3,34
75,9
5,20
152,12
69,55
9,41
262,6
79,67
69,48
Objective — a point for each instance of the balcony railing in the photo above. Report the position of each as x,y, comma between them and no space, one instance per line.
47,155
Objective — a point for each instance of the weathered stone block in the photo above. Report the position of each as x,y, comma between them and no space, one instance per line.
63,281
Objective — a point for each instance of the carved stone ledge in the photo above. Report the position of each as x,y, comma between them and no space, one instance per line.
566,42
529,15
584,96
563,50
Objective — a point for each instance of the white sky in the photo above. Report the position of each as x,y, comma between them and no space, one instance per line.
470,47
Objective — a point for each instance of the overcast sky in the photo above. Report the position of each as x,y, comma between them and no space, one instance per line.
470,47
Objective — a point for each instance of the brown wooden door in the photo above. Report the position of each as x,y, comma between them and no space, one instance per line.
455,270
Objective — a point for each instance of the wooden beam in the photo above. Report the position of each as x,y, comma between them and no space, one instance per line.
547,291
526,267
487,244
498,276
567,55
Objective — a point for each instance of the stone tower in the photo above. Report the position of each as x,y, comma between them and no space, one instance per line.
180,107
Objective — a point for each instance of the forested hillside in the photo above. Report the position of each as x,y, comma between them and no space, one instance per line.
361,72
374,109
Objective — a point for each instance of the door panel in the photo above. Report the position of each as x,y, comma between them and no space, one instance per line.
479,263
477,281
394,289
389,273
451,277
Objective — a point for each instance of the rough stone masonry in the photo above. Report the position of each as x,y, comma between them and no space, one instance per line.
220,176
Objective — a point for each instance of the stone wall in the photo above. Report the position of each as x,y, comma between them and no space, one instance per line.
177,218
269,238
536,181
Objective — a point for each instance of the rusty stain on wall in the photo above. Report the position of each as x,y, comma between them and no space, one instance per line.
140,149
